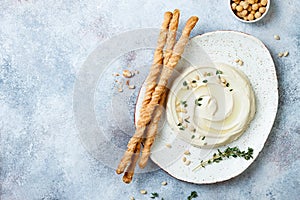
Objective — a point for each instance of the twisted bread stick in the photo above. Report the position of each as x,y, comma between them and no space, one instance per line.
160,89
157,62
166,74
127,178
171,39
151,132
150,86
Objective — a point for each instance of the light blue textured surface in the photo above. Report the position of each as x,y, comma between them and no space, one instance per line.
42,46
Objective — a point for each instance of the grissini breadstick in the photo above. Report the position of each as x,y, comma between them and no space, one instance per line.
151,132
150,86
150,139
157,61
127,178
166,74
171,38
160,89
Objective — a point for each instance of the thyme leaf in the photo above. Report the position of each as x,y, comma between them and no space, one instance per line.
219,72
154,195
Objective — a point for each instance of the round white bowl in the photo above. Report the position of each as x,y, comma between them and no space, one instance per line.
253,21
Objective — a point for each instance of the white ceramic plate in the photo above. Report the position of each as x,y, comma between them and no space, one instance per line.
205,50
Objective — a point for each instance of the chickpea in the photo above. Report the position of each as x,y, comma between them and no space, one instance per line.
255,6
257,15
245,6
264,2
242,3
245,18
262,10
239,8
252,12
250,17
244,13
259,4
233,6
251,1
239,14
249,8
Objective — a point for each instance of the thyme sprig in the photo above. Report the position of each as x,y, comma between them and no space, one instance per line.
234,152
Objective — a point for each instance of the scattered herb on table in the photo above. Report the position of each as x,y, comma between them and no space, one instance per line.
154,195
193,136
234,152
192,195
204,81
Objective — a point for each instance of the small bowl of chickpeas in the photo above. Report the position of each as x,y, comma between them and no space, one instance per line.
249,11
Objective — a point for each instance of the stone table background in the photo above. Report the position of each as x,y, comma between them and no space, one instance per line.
42,46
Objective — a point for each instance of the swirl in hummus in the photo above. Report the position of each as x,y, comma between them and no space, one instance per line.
210,107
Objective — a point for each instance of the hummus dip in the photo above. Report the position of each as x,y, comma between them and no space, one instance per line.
210,106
